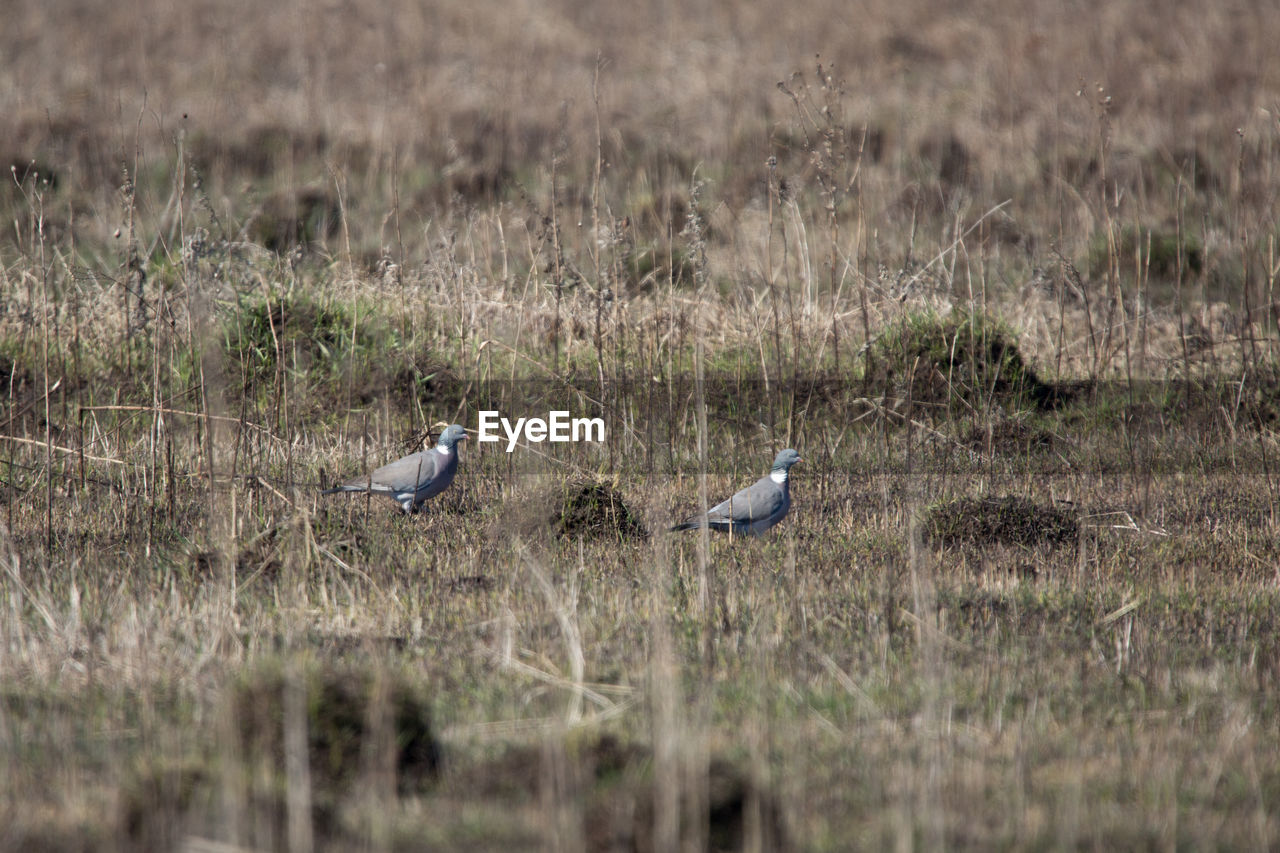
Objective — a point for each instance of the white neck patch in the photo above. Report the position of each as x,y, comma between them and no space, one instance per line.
778,476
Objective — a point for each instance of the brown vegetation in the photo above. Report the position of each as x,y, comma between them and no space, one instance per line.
1004,273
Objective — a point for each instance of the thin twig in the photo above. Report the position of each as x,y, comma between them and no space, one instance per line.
60,449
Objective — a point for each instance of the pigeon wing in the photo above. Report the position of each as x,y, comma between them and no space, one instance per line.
409,474
758,501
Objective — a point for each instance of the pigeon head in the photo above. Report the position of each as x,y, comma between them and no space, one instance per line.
785,460
451,436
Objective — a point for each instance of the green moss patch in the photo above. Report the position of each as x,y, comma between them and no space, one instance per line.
961,360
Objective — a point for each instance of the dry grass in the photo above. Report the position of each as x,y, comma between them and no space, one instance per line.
1005,275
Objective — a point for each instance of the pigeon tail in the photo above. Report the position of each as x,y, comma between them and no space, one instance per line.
715,524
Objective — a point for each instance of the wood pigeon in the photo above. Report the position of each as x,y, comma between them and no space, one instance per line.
757,507
416,477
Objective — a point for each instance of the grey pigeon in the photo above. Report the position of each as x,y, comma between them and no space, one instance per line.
757,507
416,477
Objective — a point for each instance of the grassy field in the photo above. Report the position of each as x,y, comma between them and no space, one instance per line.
1003,273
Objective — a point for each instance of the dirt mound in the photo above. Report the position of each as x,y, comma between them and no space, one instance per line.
351,720
345,707
964,360
617,792
296,217
594,510
1008,437
1006,521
